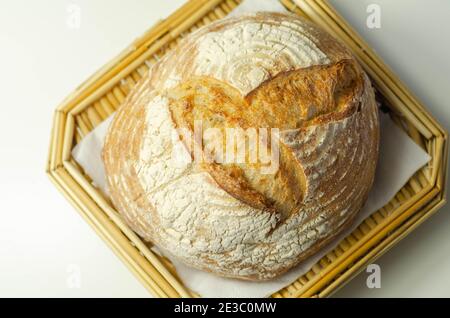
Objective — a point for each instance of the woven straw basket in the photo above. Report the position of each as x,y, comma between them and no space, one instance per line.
101,94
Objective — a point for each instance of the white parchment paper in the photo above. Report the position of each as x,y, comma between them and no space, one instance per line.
399,159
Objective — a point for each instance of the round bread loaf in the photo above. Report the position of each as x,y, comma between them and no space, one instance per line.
275,77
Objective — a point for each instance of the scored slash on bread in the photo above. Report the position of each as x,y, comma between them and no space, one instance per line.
292,100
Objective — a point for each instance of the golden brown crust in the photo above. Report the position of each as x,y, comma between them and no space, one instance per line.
291,100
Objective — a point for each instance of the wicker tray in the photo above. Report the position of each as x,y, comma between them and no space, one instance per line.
101,94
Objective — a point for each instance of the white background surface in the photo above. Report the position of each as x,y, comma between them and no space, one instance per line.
42,60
